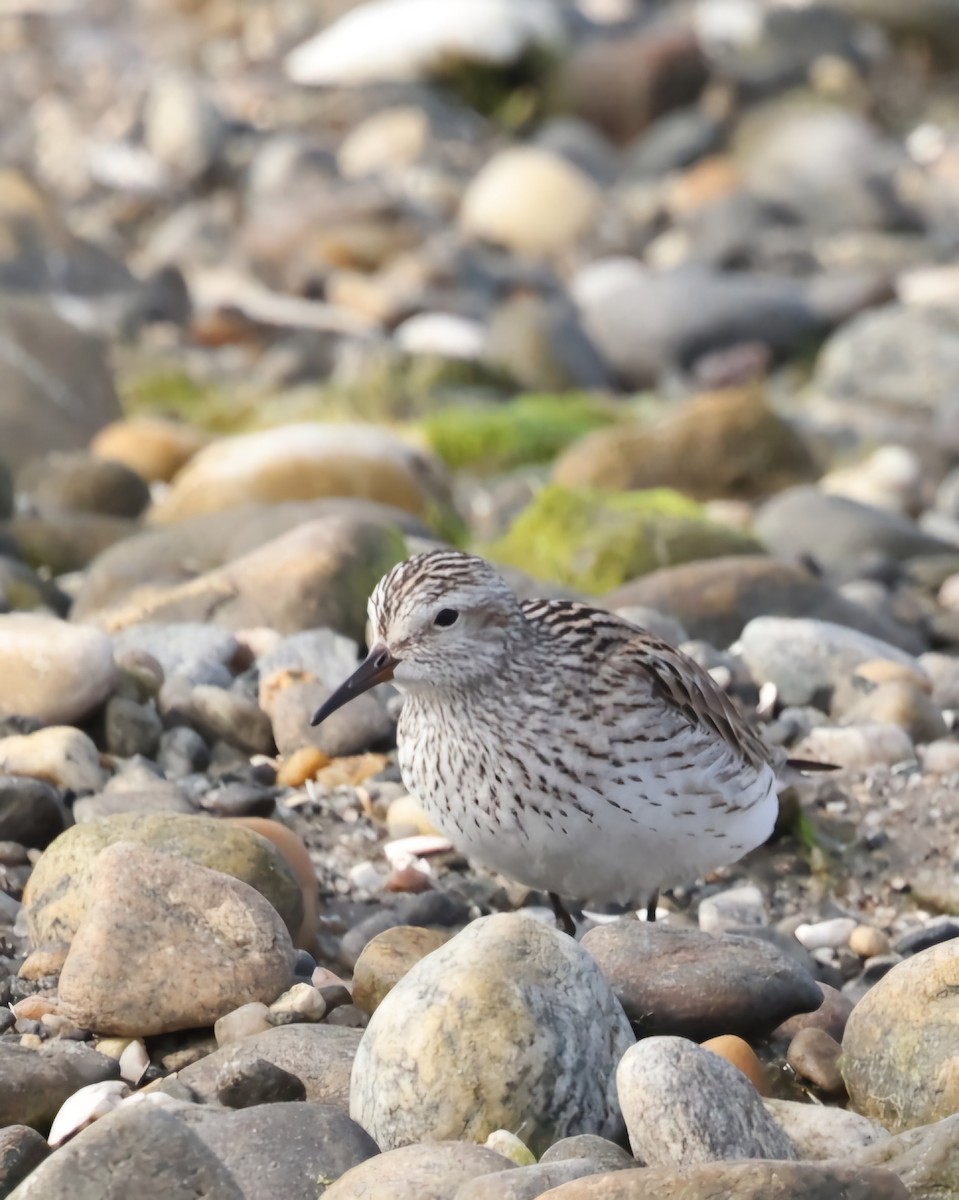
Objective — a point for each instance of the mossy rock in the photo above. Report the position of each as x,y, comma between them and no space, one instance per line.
58,891
727,444
499,437
172,392
594,541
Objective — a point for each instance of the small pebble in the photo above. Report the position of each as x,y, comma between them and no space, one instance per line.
867,941
814,1055
301,765
739,1052
826,934
242,1022
737,909
302,1000
942,930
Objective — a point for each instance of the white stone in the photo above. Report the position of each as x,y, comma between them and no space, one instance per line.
52,670
401,40
826,935
443,334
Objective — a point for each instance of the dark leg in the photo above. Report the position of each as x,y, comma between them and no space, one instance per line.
563,919
651,904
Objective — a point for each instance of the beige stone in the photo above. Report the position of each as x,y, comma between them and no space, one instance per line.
59,754
52,670
166,945
385,959
427,1172
152,446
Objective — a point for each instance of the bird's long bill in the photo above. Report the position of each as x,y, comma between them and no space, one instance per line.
376,668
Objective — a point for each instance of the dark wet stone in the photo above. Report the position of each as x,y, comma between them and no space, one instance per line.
257,1081
30,811
22,1150
683,982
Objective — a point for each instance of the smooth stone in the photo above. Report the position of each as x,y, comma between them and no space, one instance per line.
22,589
820,1133
742,1056
604,1154
58,755
387,958
22,1150
506,997
895,359
318,574
55,382
243,1085
387,141
688,983
45,959
30,811
814,1055
56,672
716,598
35,1083
130,728
530,201
867,941
384,42
182,752
141,1149
856,747
727,444
297,856
217,714
154,447
298,675
245,1021
431,1171
63,542
168,555
302,461
684,1105
645,321
837,532
806,658
57,894
183,130
941,929
899,704
526,1182
743,1180
76,481
831,934
736,908
197,651
159,797
900,1051
321,1056
926,1159
166,944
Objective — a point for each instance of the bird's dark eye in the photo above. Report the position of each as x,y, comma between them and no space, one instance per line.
446,617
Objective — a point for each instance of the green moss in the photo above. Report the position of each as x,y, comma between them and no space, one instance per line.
172,392
527,431
595,541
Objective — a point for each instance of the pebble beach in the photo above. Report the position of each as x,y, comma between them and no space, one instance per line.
652,303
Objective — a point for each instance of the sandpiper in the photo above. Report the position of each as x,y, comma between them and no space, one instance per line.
558,744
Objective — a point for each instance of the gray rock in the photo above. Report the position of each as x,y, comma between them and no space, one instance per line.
900,358
681,981
805,659
716,598
198,652
736,909
285,1149
257,1081
30,811
606,1155
131,728
6,491
321,1056
755,1180
431,1171
526,1183
56,390
158,797
216,713
819,1132
926,1159
645,322
35,1083
540,343
141,1150
837,532
684,1105
182,752
78,481
506,999
22,1150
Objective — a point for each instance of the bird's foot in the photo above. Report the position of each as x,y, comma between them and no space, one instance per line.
651,905
563,919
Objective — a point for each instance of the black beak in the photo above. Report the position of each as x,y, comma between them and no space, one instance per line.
376,668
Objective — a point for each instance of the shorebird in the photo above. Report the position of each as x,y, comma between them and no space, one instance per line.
558,744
